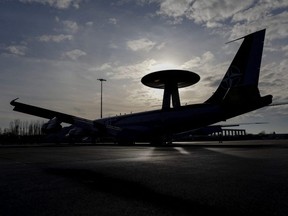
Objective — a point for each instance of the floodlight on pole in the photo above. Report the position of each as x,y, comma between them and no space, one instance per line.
101,80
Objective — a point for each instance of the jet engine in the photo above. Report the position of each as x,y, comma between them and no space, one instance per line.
52,126
75,132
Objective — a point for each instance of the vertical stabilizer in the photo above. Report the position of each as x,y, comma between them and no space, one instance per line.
240,83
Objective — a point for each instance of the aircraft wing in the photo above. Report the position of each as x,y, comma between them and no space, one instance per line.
44,113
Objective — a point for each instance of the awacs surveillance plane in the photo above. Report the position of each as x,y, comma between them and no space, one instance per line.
237,94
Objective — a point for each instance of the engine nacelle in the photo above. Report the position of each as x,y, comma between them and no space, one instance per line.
75,132
52,126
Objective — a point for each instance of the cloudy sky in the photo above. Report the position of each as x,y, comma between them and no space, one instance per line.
53,51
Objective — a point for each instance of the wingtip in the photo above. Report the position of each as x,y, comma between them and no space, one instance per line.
13,101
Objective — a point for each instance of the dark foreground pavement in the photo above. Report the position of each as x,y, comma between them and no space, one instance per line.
145,180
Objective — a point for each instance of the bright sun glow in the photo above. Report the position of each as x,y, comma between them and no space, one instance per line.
164,66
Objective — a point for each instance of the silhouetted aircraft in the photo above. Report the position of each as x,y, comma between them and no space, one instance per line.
237,94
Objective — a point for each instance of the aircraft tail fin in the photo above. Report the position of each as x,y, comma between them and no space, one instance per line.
240,83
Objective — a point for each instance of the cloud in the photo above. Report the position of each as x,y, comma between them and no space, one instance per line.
141,44
199,62
161,46
103,67
74,54
59,4
55,38
210,72
214,11
209,13
276,26
133,71
174,9
263,9
285,49
70,26
18,50
90,23
235,18
273,81
113,21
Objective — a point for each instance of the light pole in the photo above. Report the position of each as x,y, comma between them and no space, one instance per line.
101,80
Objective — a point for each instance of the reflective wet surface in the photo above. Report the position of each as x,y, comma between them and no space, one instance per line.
245,178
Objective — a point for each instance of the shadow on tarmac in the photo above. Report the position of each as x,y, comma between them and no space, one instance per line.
129,190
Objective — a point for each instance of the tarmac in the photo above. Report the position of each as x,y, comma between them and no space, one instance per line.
205,178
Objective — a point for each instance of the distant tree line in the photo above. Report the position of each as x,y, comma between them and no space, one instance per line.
21,131
23,128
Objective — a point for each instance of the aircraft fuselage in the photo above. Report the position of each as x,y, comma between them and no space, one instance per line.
165,122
